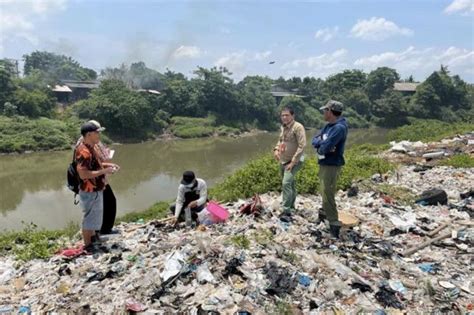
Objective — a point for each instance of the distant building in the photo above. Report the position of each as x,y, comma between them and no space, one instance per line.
62,93
79,89
69,91
154,92
279,93
406,88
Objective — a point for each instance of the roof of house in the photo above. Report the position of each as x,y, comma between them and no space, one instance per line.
81,84
405,86
61,88
149,91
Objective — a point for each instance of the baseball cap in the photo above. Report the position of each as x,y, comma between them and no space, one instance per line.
91,126
333,105
188,178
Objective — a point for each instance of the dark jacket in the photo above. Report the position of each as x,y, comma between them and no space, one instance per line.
332,147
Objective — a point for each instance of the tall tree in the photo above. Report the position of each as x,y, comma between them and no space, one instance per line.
379,80
56,67
258,103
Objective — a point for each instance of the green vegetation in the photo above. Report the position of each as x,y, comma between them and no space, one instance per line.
240,241
189,127
263,237
124,105
283,308
290,256
19,134
157,211
459,161
429,130
262,175
32,243
401,195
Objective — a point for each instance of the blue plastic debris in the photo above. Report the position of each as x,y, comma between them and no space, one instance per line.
304,280
429,267
24,310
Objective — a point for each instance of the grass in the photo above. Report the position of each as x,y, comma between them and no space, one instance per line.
263,175
263,237
290,256
401,195
429,130
463,160
33,243
190,127
157,211
20,134
240,241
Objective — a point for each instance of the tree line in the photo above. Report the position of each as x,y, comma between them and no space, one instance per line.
370,98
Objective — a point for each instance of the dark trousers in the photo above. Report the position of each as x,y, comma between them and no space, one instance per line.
110,210
194,212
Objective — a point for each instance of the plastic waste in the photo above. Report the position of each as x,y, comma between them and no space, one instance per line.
429,267
304,280
403,222
173,265
203,274
24,310
388,298
398,286
134,306
205,217
187,216
6,272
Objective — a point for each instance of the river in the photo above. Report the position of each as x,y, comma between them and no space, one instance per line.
32,186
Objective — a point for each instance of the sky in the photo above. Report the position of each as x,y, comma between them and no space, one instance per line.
310,38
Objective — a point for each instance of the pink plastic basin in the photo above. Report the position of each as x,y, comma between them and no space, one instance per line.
218,212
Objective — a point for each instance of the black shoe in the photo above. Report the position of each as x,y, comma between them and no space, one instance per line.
334,230
286,216
95,239
321,216
92,248
113,231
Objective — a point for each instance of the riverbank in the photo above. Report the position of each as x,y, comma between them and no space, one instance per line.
262,265
19,135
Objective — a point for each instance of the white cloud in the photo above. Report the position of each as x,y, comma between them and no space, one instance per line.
326,34
423,62
19,18
233,61
43,6
237,61
378,29
319,66
463,6
187,52
259,56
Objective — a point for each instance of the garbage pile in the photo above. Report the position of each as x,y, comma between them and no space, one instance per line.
430,152
402,256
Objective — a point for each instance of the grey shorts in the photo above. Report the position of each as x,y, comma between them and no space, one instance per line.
92,204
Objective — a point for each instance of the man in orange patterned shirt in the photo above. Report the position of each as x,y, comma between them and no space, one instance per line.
92,173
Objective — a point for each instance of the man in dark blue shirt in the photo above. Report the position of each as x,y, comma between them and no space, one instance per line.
329,144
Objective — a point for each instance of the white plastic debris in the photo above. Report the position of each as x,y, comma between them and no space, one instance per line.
404,222
173,265
204,274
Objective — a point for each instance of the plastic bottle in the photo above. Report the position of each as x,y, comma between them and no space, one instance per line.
187,216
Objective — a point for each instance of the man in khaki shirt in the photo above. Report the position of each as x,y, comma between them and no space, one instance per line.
289,153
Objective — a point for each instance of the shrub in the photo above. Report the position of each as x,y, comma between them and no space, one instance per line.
263,175
19,134
459,161
429,130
